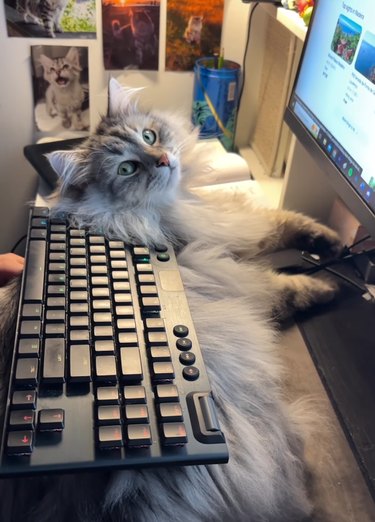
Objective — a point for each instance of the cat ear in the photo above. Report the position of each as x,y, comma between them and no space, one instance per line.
45,61
69,166
120,98
73,57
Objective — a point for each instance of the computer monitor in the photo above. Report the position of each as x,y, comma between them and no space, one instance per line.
332,105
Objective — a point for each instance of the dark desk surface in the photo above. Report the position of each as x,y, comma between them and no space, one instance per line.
341,341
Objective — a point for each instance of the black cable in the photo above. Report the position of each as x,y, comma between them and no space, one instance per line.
319,267
365,238
244,57
18,243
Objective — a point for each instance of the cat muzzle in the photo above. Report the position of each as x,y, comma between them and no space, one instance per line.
163,161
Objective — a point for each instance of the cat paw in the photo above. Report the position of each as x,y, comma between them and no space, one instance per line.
319,239
67,123
300,292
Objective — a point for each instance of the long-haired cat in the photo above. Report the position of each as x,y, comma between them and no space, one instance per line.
65,94
47,13
130,180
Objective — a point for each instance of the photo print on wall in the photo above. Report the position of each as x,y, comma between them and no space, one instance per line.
193,31
131,34
61,18
60,84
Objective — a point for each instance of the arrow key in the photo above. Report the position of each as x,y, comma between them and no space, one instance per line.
21,420
20,443
51,420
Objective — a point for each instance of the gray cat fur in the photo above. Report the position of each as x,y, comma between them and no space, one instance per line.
231,300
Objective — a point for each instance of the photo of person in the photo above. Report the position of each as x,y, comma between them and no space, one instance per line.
58,19
131,34
365,63
345,39
61,94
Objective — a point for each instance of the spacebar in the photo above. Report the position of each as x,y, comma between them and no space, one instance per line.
34,281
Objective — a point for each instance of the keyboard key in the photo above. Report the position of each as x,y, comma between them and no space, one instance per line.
108,415
160,353
166,393
107,395
56,302
100,281
77,336
56,278
97,249
78,262
163,371
98,291
56,290
190,373
121,286
180,330
148,290
75,232
123,298
104,332
99,269
96,240
150,304
102,318
124,311
55,330
51,419
187,358
54,361
119,264
78,272
79,308
135,394
77,241
98,259
170,412
22,399
22,419
78,295
77,251
27,372
131,366
110,437
104,346
157,338
126,325
79,321
20,443
30,328
80,364
128,338
31,311
136,413
78,283
57,267
173,433
34,277
116,245
28,347
117,254
105,366
101,304
120,275
138,435
155,324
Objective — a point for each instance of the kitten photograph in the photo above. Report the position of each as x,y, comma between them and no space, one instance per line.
61,96
131,179
51,18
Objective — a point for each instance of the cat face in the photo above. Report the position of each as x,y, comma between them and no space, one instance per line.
60,72
133,160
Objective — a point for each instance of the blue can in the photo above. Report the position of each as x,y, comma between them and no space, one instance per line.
215,98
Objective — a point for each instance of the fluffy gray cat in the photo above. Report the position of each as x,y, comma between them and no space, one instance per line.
130,179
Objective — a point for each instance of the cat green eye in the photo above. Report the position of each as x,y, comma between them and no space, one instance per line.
127,168
149,136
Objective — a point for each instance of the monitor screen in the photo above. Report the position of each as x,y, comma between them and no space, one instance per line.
332,105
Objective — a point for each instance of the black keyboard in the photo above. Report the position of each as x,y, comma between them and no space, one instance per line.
107,370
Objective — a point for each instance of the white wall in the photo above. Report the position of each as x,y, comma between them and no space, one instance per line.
167,90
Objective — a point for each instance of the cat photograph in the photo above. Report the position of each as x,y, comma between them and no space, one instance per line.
51,18
193,30
132,179
131,35
61,88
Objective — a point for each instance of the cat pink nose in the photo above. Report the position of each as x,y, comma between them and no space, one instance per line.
163,161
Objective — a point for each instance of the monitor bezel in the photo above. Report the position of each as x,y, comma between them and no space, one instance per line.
356,205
